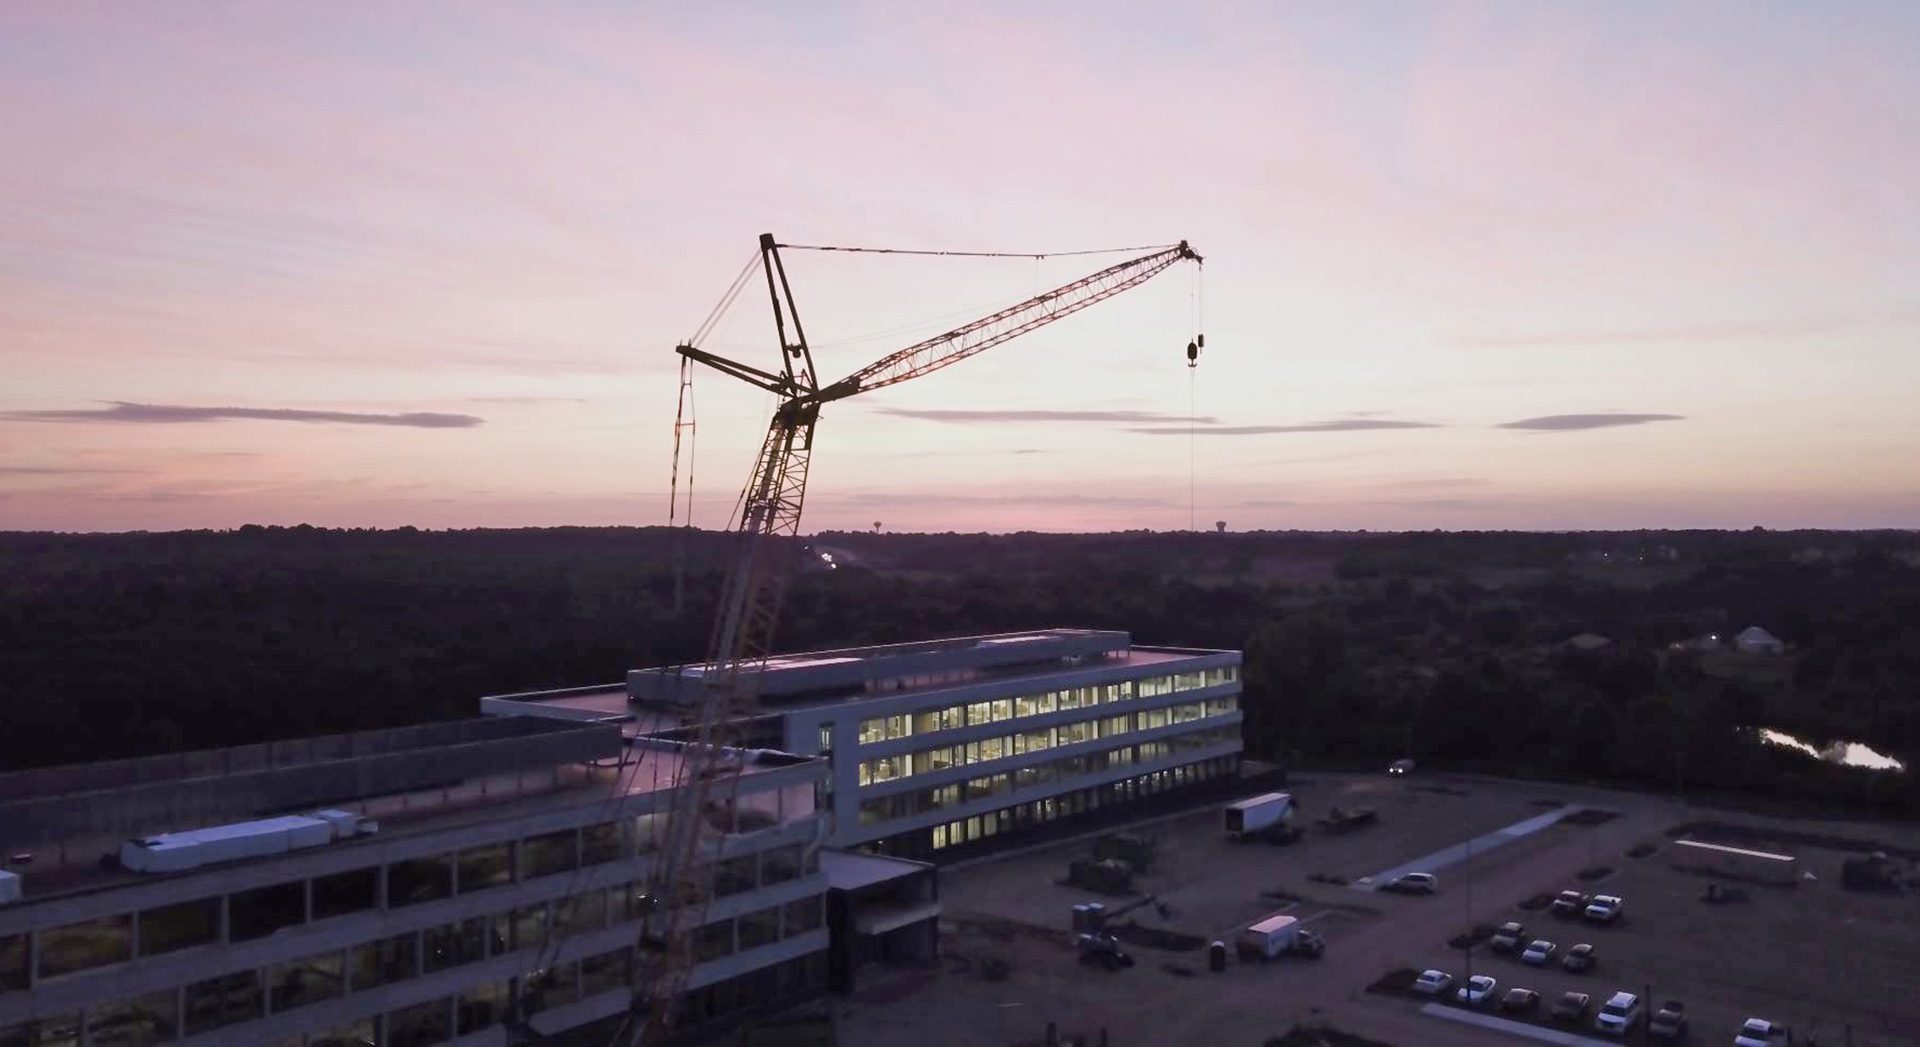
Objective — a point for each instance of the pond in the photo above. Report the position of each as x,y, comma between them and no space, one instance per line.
1852,754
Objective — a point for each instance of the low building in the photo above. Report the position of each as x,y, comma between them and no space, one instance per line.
463,877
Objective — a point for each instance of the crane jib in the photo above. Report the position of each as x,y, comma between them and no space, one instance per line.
709,768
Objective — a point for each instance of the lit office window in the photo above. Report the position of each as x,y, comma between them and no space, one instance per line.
884,728
1153,686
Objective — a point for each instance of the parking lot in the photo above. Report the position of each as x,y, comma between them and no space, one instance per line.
1812,956
1815,957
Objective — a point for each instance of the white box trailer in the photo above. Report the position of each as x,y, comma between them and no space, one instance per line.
1256,813
1736,862
172,852
1269,938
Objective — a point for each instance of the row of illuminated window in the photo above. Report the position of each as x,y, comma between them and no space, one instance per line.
261,911
929,721
1066,805
906,805
243,996
928,761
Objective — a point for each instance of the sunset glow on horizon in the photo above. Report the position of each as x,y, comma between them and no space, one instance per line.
1491,266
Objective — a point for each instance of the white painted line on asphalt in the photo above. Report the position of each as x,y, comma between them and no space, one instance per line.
1459,852
1488,1021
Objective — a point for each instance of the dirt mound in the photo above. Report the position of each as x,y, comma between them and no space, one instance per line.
1156,938
1400,979
1590,816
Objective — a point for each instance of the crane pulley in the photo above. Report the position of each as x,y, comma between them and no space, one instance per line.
770,508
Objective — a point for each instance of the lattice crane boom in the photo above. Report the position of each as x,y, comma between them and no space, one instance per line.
748,611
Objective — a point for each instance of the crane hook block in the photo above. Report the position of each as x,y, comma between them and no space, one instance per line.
1193,354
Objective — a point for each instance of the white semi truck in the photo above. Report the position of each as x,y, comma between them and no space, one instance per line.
1264,814
1278,936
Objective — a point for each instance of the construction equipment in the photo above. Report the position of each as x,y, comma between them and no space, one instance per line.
1105,875
1340,821
1095,917
708,770
1127,847
1104,949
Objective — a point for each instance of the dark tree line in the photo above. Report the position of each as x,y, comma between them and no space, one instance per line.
1360,647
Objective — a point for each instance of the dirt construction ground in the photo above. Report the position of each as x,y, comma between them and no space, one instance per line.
1813,956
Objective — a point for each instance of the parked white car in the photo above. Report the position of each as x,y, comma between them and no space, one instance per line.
1619,1014
1432,983
1759,1032
1413,883
1478,991
1605,908
1539,953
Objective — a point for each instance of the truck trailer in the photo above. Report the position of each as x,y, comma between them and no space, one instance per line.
1277,936
1256,814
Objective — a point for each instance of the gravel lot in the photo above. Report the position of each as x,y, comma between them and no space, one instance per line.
1813,956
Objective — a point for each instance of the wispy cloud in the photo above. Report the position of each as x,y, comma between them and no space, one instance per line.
1343,425
170,414
995,416
931,498
1561,423
1435,482
1727,332
42,470
524,400
970,454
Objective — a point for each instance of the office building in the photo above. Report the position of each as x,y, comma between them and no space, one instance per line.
949,746
425,885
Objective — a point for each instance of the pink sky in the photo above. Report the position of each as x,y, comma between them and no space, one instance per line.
425,264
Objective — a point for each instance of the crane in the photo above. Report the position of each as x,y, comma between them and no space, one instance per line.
749,606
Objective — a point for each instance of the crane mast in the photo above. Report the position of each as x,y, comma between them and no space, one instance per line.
708,772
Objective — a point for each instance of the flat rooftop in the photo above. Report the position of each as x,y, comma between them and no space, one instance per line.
818,677
648,766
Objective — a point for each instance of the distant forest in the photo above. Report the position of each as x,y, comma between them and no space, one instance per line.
1449,647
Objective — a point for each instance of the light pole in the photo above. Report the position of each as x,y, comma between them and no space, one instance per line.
1467,869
